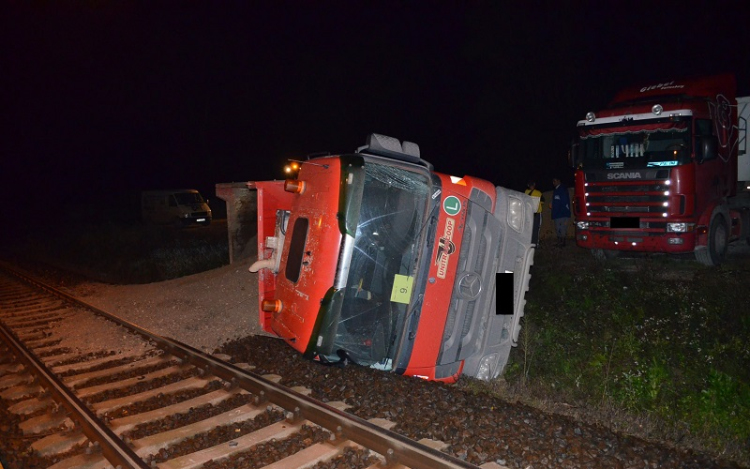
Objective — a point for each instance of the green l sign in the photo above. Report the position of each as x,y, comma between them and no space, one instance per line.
452,205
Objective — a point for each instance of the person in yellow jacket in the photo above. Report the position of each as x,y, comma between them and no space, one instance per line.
534,192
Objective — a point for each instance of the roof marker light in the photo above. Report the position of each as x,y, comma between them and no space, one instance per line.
294,185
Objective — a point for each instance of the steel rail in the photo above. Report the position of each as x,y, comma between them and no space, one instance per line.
112,447
396,448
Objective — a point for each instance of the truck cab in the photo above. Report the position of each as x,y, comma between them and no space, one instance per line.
663,169
373,258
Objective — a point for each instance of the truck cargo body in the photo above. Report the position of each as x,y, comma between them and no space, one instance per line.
373,258
664,169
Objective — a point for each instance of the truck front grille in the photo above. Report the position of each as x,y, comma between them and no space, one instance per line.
641,197
464,326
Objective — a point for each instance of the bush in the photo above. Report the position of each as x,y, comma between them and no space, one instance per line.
131,253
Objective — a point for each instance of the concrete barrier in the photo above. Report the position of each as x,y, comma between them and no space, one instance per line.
242,220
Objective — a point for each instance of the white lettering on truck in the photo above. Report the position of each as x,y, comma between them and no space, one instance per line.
445,247
670,85
633,175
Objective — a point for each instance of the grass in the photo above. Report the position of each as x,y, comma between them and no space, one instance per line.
124,253
656,345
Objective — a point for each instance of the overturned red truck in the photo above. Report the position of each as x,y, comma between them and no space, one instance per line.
665,168
373,258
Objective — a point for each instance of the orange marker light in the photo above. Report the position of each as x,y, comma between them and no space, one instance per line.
271,306
294,185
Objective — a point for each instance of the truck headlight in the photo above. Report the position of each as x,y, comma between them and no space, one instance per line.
484,372
515,213
680,227
582,225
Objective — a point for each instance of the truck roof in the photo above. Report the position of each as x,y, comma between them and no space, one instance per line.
706,87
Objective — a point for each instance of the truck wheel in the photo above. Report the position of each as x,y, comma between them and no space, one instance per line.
718,240
604,254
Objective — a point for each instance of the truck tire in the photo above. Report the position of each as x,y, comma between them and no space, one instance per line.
603,254
718,240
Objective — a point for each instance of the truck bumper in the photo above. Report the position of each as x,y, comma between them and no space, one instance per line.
637,241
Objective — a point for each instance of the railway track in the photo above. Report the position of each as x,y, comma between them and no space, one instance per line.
156,403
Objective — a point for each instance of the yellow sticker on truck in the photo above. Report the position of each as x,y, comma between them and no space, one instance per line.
401,292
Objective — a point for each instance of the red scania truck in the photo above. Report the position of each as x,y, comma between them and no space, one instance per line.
665,168
373,258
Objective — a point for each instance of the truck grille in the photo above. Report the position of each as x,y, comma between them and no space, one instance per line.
647,196
464,326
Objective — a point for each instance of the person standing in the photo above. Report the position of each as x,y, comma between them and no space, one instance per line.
534,192
560,211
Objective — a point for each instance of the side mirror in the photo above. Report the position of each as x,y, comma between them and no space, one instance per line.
574,156
707,148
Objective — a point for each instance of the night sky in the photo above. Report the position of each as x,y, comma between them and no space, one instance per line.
102,99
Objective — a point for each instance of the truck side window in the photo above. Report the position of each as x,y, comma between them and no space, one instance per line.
703,128
296,249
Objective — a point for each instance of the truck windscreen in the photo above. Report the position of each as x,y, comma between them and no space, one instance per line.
637,145
386,249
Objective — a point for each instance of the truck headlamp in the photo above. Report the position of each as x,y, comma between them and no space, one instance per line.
484,372
657,109
587,225
590,116
680,227
515,214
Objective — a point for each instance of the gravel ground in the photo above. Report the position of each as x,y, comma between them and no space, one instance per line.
203,310
477,426
218,310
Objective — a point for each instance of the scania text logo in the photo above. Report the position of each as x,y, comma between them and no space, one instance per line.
633,175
